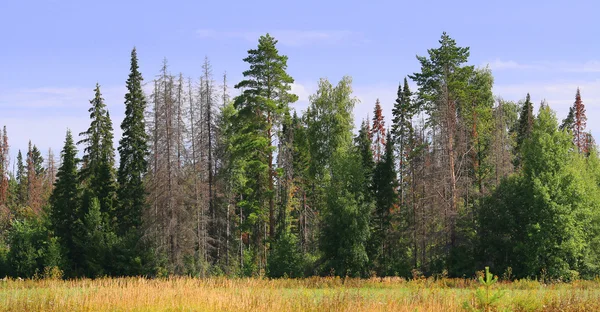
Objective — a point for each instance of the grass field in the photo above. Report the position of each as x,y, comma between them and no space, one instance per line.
311,294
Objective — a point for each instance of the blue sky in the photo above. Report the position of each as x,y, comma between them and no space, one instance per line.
53,52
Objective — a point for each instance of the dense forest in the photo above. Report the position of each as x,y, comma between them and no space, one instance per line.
207,185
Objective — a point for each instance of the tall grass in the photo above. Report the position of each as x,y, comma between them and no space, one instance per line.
310,294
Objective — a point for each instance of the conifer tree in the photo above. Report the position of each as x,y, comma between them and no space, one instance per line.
97,173
21,182
363,145
402,131
35,174
264,101
579,134
378,132
569,121
524,127
133,149
4,164
443,82
384,193
65,213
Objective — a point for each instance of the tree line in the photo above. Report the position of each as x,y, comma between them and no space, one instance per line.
212,185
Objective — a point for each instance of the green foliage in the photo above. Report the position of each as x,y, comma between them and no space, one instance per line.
260,111
133,150
443,198
345,223
65,212
524,128
24,253
31,249
403,135
444,69
329,121
97,173
21,191
544,219
485,298
363,145
4,265
569,122
285,259
96,241
385,197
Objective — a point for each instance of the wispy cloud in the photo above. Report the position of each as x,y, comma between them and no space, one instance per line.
592,66
287,37
498,64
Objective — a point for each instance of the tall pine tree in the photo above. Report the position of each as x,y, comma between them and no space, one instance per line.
264,101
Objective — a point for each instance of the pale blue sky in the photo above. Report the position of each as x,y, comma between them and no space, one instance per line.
53,52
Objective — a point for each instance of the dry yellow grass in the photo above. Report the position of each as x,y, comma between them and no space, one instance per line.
311,294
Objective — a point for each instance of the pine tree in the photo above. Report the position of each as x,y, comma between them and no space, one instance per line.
65,213
264,101
442,82
133,149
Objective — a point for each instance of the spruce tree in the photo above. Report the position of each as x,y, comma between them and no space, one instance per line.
579,134
524,127
378,132
65,213
97,173
384,192
569,121
363,145
35,172
21,181
402,132
133,149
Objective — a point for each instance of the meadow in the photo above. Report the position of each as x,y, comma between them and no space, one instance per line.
309,294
